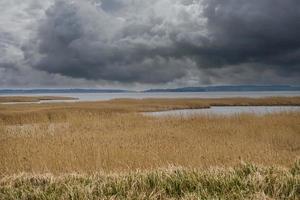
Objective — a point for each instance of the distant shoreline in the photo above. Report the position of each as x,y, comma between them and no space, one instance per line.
33,99
186,103
225,88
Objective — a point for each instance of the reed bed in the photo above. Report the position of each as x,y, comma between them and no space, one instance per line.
116,152
86,141
36,113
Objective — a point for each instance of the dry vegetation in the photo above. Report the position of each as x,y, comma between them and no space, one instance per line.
36,113
113,137
243,182
88,142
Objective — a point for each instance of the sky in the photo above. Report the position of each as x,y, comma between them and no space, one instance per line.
148,43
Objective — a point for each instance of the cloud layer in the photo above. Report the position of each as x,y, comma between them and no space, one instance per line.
180,42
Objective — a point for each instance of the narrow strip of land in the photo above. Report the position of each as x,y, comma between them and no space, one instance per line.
16,99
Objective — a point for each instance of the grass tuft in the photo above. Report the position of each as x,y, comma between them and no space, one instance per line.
242,182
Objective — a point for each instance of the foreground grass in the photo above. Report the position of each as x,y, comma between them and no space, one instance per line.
243,182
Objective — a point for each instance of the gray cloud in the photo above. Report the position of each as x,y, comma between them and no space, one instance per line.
157,42
79,39
265,31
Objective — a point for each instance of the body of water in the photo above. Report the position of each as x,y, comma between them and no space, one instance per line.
137,95
226,110
222,110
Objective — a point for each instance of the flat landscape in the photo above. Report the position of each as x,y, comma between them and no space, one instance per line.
112,150
149,100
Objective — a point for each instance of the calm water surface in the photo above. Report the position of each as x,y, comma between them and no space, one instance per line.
137,95
221,110
227,110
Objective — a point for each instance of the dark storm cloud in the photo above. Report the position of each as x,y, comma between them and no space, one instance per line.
79,40
159,41
112,5
265,31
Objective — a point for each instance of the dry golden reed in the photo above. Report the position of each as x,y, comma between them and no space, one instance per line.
114,136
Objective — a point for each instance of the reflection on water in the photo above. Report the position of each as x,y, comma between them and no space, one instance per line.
227,110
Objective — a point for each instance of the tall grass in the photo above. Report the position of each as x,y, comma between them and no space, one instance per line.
109,150
243,182
91,141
